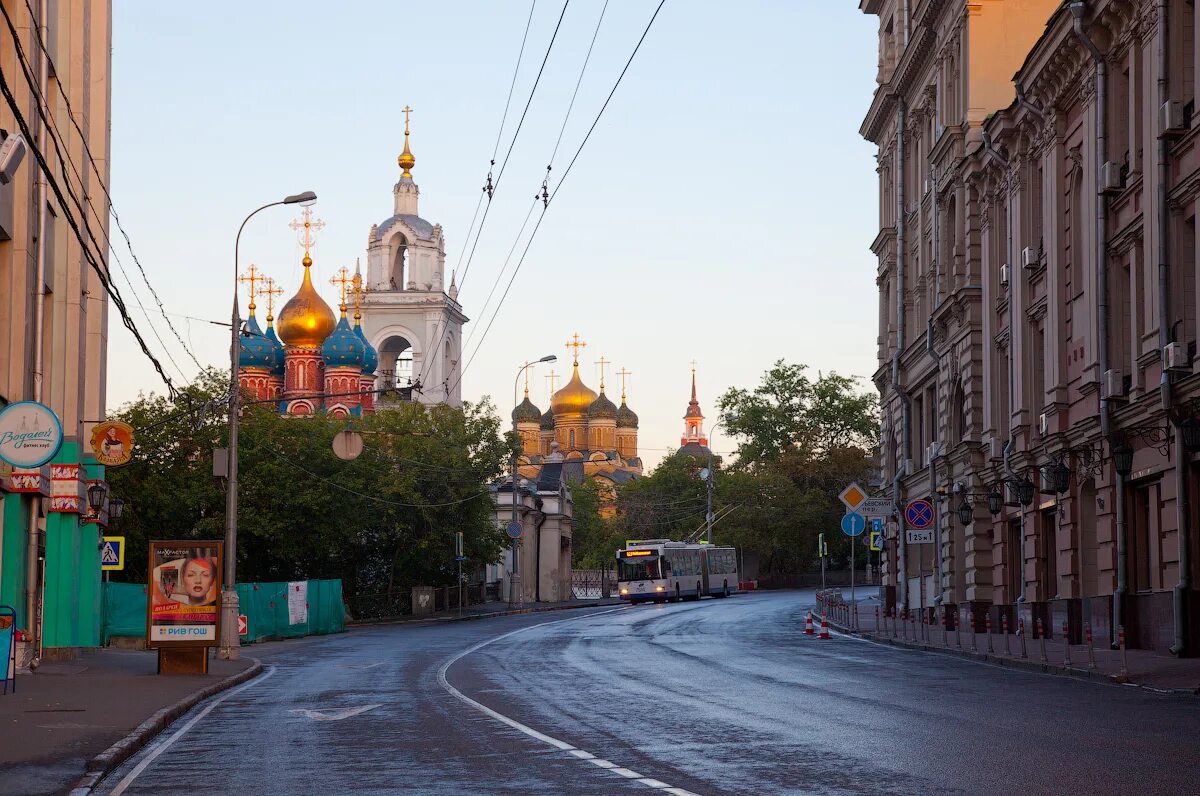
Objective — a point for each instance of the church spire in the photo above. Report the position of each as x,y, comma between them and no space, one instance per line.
406,159
693,418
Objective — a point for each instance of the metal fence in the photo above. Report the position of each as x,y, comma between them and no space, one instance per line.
592,584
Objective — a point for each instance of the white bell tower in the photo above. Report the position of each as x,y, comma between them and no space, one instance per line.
412,319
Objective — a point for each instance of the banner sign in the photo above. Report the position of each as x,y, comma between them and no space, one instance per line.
297,602
30,434
185,593
112,443
29,479
67,489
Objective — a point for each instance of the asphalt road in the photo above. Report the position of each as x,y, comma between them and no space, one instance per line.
716,697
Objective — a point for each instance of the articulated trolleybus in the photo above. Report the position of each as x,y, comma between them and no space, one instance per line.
662,570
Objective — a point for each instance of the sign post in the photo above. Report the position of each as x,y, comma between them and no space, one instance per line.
458,556
853,524
184,616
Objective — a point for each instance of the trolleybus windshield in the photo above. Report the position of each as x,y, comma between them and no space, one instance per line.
647,568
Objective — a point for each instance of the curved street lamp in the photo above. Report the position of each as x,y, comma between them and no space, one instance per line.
514,577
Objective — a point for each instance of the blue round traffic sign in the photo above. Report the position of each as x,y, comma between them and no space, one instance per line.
919,514
853,524
514,530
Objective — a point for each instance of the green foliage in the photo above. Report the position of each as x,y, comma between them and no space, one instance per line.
593,540
379,522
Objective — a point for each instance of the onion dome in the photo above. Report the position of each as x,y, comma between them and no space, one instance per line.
343,348
277,368
602,408
371,359
626,417
548,420
306,320
573,399
256,350
526,412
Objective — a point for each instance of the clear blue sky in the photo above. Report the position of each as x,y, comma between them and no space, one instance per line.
721,212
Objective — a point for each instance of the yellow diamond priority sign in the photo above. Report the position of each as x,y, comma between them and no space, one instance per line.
852,496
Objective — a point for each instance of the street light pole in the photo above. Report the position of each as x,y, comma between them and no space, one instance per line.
230,640
515,598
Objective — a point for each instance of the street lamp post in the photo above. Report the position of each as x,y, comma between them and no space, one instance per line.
515,599
230,641
709,513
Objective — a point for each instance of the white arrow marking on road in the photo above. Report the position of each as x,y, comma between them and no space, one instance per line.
333,715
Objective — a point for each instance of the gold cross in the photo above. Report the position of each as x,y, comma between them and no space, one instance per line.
340,280
271,290
526,369
552,377
407,110
693,367
252,276
360,290
623,373
575,343
306,228
603,363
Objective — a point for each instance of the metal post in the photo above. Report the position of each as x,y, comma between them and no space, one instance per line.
1124,673
1004,630
1087,630
987,619
1021,633
958,628
853,539
1067,645
974,641
1041,631
460,590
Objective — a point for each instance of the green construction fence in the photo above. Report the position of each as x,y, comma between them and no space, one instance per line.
265,606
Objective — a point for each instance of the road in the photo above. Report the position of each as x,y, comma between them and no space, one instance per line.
715,697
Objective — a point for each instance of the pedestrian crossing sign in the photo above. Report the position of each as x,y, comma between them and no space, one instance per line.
112,553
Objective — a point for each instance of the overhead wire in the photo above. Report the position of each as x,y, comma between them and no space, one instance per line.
462,371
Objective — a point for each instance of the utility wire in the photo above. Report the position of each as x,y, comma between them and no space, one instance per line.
109,288
462,371
99,178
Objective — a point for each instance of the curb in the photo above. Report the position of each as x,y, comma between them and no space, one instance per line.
104,763
470,617
1029,665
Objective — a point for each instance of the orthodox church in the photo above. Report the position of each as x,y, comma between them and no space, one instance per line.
407,331
590,435
693,442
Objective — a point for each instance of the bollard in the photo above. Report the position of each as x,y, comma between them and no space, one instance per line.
1021,633
877,619
808,625
987,621
1041,631
1087,632
824,628
1004,630
856,616
1067,646
1122,675
945,628
958,628
974,641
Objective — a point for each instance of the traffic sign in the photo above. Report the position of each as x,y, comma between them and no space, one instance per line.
243,625
852,496
918,537
514,530
877,525
919,514
112,553
853,524
876,541
876,507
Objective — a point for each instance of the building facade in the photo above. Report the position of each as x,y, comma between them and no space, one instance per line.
545,512
1038,187
54,311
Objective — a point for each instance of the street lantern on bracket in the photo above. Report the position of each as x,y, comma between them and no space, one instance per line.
965,512
1189,429
1025,491
995,500
1060,476
95,495
1122,456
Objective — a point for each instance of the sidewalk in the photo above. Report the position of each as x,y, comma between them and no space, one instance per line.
66,713
1142,667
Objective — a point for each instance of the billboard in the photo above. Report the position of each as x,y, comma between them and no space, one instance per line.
185,593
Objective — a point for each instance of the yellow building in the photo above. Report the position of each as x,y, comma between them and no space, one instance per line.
592,437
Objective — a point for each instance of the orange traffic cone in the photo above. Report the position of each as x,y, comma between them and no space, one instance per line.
808,625
824,628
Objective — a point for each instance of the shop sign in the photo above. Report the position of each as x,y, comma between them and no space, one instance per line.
30,434
35,480
185,594
67,489
112,443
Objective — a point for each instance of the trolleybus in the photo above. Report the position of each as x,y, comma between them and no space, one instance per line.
662,570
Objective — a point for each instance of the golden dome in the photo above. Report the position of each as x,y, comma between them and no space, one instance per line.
574,399
306,320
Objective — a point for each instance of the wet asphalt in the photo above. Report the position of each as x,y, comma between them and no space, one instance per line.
716,697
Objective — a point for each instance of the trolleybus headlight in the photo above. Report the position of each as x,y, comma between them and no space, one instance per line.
658,588
624,591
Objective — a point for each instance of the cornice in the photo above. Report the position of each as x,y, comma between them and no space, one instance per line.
879,112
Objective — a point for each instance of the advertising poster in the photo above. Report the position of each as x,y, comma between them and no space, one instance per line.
297,602
185,593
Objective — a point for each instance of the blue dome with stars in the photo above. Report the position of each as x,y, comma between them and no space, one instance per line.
371,360
343,348
256,350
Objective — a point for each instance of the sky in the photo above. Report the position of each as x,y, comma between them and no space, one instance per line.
720,212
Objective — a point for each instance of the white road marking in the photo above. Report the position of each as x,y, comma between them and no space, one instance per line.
333,715
608,765
165,745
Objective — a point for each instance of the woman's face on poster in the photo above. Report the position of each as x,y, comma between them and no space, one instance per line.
197,579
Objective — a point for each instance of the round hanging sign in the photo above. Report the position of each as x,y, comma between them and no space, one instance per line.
112,443
30,434
347,445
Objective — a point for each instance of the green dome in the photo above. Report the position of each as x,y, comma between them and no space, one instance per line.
526,412
602,408
626,417
548,420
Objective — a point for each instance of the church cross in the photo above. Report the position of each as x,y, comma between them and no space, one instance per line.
271,290
603,363
575,344
623,373
307,229
407,110
693,367
360,290
252,277
340,280
552,377
526,369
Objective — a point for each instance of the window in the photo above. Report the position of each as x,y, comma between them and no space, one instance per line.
1144,532
638,569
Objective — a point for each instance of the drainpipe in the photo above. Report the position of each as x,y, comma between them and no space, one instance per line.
905,403
1025,103
537,550
1077,11
931,350
32,566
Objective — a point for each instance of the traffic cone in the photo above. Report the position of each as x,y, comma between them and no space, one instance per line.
824,628
808,625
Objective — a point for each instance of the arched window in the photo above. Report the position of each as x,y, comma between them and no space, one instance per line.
571,439
399,263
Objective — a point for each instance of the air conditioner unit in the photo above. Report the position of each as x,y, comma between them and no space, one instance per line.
995,448
1046,479
1004,275
933,451
12,152
1113,385
1110,177
1171,118
1030,258
1043,424
1175,357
